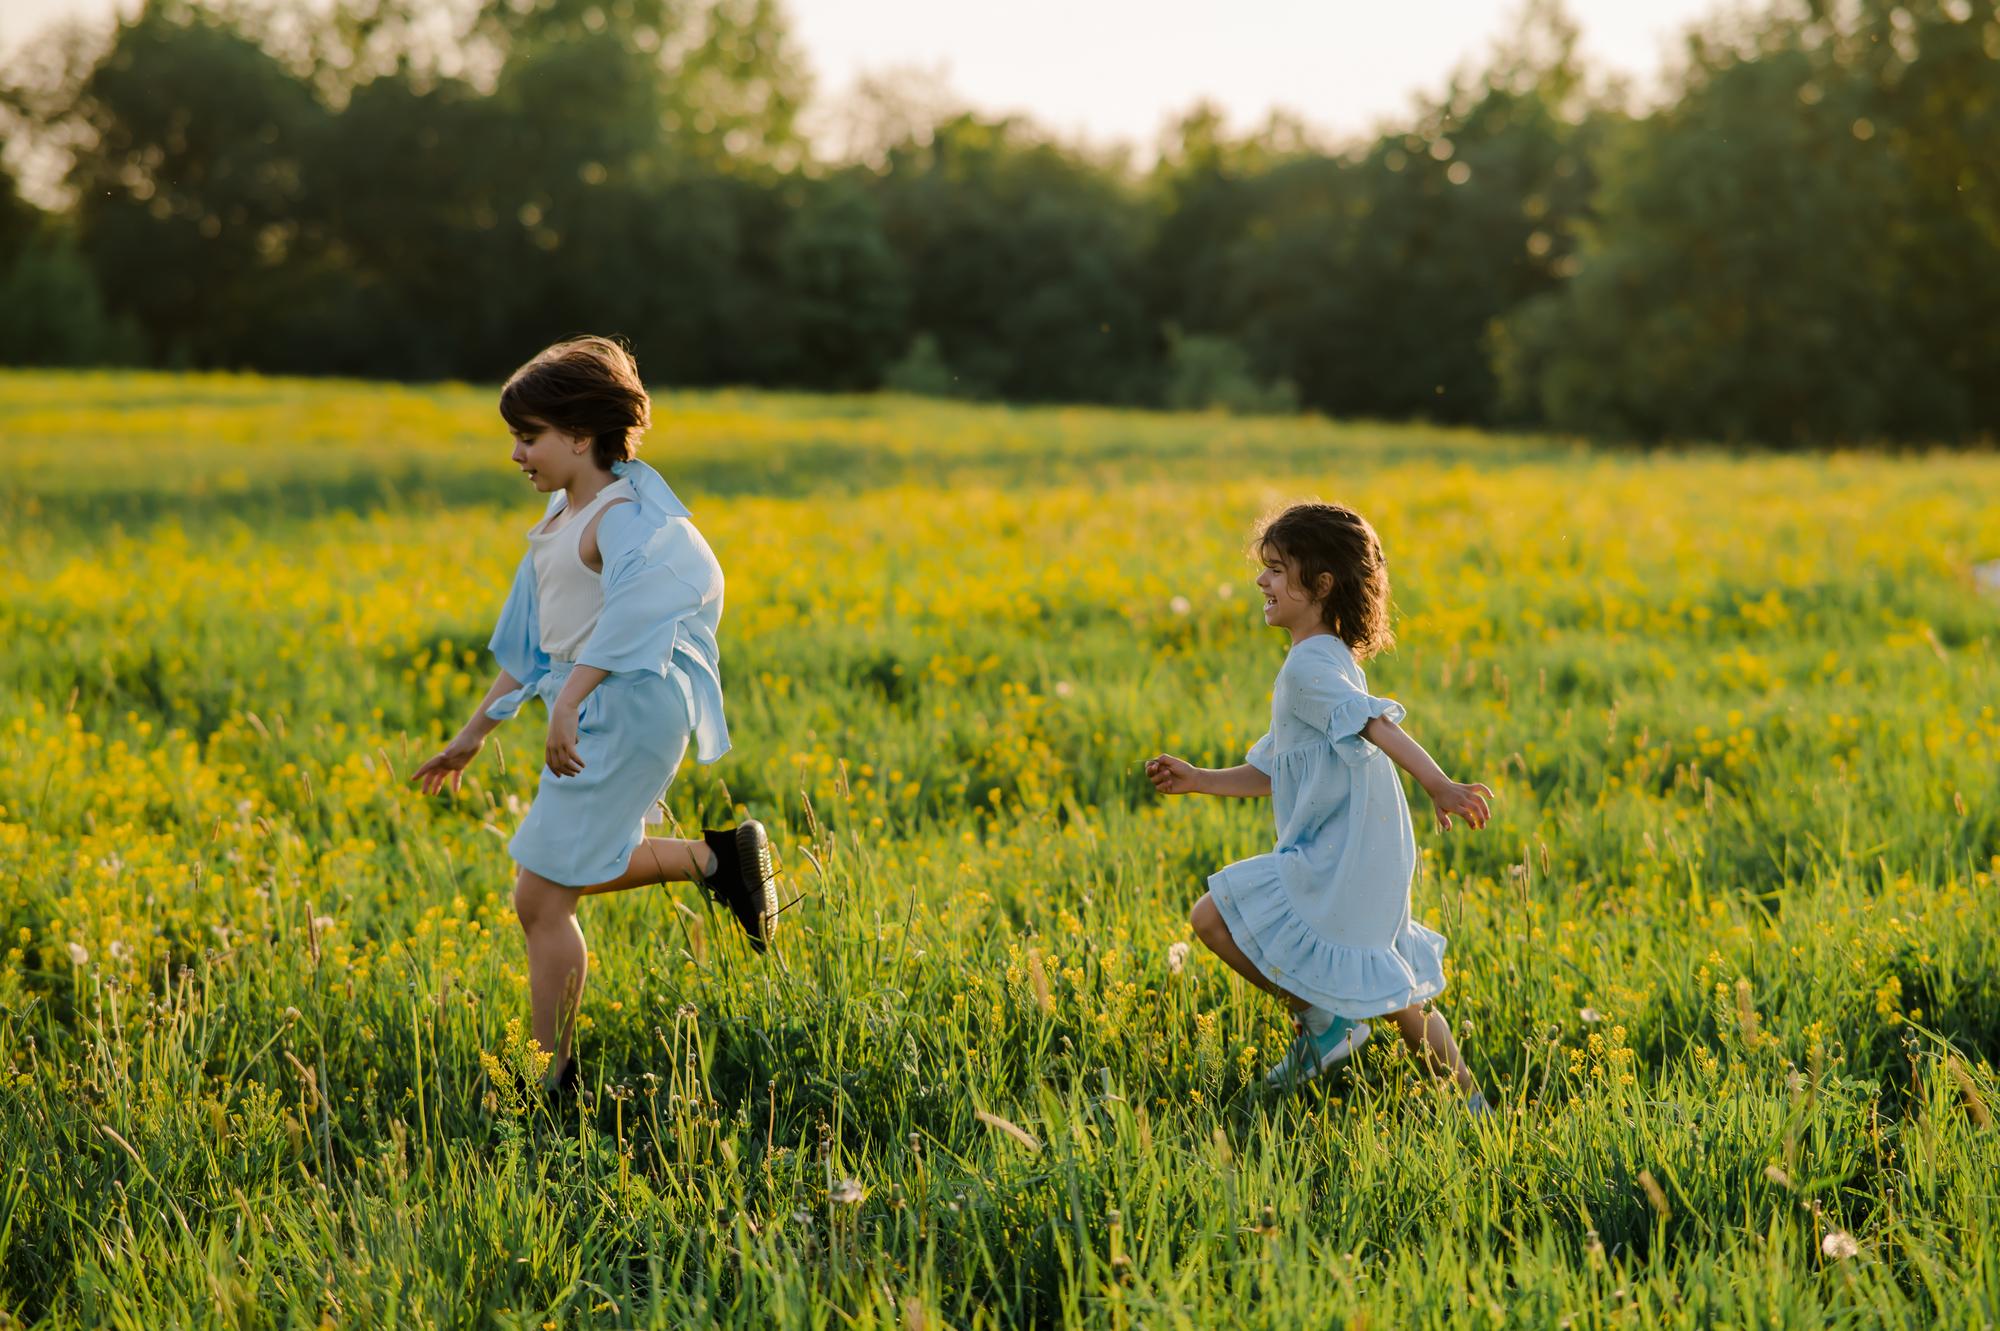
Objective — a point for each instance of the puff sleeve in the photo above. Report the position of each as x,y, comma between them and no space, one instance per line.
1326,698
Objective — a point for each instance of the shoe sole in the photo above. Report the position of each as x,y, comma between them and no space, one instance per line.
753,848
1340,1053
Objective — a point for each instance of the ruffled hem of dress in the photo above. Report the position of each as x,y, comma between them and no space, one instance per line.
1352,982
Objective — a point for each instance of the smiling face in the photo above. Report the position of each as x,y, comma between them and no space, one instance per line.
1287,605
548,457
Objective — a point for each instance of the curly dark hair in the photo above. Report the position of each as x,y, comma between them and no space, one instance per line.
586,386
1322,541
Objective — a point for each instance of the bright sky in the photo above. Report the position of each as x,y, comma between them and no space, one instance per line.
1119,69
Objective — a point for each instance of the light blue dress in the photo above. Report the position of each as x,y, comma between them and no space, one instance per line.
656,635
1326,916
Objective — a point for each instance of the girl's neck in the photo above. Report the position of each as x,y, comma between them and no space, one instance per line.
1313,631
587,487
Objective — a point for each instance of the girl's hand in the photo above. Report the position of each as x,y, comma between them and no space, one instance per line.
1467,801
1171,775
449,766
560,752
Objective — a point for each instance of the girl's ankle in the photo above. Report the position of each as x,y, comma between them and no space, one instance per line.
1316,1020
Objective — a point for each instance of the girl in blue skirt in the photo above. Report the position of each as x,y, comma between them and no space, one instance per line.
611,622
1323,921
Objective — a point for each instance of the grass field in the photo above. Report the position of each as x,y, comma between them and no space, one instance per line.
1725,956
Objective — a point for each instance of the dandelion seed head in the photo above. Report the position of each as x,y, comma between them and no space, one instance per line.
1839,1245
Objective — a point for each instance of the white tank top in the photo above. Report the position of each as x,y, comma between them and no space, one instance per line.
569,594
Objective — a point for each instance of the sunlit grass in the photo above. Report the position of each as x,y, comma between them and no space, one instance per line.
259,1005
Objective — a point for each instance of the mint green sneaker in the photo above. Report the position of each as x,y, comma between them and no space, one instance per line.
1312,1054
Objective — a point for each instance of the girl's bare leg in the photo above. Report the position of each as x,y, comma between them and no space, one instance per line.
558,963
658,859
1213,932
1428,1035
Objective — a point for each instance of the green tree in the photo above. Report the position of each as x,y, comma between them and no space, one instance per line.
1206,372
1798,249
1371,280
587,190
55,310
726,82
18,219
1207,191
190,187
433,224
846,308
1933,70
1023,261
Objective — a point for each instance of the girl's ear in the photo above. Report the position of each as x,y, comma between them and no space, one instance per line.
1325,587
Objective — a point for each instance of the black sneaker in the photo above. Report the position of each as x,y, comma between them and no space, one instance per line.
743,879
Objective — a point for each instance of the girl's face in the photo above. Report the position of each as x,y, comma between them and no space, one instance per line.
549,457
1287,605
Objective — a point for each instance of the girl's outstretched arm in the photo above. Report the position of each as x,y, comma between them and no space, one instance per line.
450,763
1450,797
1176,776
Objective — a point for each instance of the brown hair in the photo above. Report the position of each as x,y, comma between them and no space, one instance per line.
1322,539
587,386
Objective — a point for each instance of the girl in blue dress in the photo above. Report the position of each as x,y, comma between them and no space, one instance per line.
1323,921
611,622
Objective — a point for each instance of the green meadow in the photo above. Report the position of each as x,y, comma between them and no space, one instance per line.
1724,958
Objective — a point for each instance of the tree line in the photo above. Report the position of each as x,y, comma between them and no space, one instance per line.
1799,245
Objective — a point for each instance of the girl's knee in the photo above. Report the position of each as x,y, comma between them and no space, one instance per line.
1206,920
535,897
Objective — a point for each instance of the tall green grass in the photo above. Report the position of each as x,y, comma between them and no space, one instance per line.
1724,957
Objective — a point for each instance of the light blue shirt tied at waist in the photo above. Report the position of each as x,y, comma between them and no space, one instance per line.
662,606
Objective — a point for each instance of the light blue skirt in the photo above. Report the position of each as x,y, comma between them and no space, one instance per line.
1352,979
581,830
